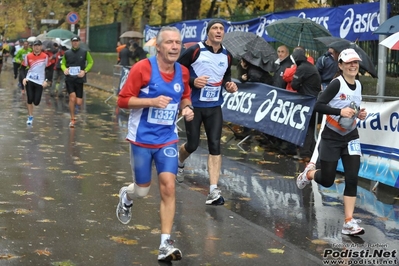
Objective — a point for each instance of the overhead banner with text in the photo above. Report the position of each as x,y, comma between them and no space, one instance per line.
270,110
351,22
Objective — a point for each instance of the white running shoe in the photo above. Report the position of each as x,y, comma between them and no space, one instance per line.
180,174
123,211
302,179
352,228
215,198
29,121
167,252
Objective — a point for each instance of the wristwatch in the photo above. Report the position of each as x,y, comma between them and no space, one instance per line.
189,106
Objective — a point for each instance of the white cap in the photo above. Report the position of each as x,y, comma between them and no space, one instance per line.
349,55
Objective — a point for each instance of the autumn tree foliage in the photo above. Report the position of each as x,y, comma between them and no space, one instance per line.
23,15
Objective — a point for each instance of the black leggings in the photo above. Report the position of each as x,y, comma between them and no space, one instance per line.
34,93
213,121
326,175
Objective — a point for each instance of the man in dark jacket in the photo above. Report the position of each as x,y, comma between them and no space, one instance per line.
306,81
138,52
282,63
125,55
327,65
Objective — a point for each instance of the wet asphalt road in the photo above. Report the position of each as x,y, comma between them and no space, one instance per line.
59,190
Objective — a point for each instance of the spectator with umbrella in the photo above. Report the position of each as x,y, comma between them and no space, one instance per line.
306,81
283,62
327,65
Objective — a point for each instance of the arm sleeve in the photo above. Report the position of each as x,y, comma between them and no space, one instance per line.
63,63
90,62
322,104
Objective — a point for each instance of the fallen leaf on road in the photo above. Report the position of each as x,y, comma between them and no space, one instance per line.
44,252
227,253
319,242
141,227
248,255
276,250
46,221
23,192
123,240
22,211
7,256
245,199
48,198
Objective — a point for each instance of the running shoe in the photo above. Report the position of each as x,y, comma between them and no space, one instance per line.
302,179
167,252
215,198
123,211
29,121
352,228
72,123
180,174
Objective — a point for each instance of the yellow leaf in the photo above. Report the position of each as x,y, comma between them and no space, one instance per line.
248,255
288,177
267,177
212,238
46,221
7,256
68,172
141,227
319,242
267,162
196,189
22,192
22,211
192,255
122,240
276,250
44,252
227,253
245,199
48,198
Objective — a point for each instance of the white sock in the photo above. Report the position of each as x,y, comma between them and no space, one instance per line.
164,237
181,165
126,201
212,187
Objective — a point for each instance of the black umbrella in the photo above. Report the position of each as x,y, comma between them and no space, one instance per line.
48,45
236,41
260,53
366,64
389,26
